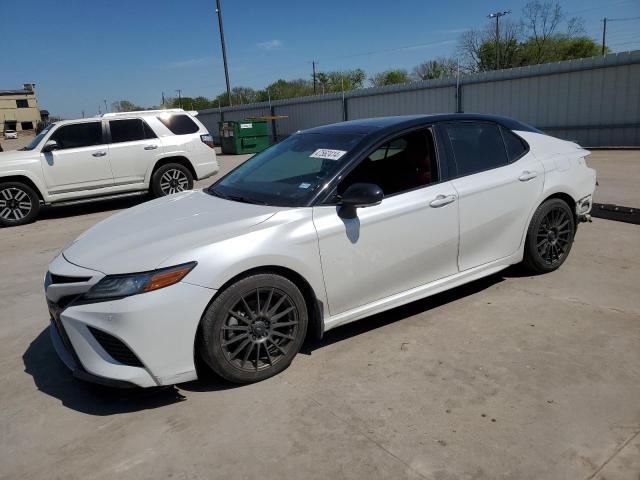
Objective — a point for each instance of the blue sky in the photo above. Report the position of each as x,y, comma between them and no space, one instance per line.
80,52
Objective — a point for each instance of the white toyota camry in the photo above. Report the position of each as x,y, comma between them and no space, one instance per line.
329,226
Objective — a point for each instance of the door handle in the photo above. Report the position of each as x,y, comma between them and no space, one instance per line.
442,200
151,147
99,154
527,175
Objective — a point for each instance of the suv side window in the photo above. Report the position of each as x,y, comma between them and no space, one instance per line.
402,164
476,146
78,135
179,124
129,130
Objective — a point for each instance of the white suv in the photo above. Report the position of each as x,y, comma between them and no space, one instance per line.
160,151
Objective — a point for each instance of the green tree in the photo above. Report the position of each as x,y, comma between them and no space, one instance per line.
124,106
433,69
390,77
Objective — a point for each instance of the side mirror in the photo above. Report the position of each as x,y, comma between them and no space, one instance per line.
359,195
50,146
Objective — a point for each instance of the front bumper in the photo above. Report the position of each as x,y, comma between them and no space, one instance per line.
157,329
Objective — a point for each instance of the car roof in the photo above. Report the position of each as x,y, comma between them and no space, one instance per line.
384,125
123,115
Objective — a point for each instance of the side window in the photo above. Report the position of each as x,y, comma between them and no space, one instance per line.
476,146
515,145
129,130
403,164
179,124
78,135
148,133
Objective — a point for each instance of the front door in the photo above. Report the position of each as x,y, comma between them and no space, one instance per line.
81,162
408,240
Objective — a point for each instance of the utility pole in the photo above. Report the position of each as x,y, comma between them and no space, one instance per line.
224,51
106,110
162,104
497,16
604,34
313,63
82,113
179,92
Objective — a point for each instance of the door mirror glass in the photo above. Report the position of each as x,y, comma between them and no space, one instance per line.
359,195
50,146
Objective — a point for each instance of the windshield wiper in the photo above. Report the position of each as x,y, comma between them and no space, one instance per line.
240,198
235,198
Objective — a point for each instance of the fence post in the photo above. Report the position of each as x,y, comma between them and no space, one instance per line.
274,133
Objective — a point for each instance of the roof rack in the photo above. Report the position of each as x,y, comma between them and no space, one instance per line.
122,114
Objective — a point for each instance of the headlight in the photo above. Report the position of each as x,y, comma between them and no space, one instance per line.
118,286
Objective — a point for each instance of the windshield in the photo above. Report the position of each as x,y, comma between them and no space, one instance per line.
288,173
38,138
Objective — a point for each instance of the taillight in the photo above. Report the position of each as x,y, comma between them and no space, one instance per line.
207,139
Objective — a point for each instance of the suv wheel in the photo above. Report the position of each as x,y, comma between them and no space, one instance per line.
19,204
171,178
254,328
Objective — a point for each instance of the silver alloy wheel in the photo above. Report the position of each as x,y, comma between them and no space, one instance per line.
15,204
173,181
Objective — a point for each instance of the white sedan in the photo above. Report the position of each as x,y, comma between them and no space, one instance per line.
10,134
329,226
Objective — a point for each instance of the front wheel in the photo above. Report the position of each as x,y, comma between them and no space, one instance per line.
171,178
19,204
550,236
254,328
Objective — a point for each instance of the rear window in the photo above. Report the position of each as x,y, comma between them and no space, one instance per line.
515,145
179,124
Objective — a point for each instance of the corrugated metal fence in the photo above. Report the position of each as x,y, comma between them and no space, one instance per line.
594,101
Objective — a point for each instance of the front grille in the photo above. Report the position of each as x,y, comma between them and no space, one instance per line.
56,279
115,348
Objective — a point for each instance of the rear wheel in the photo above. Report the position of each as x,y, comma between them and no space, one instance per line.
550,236
254,328
19,204
171,178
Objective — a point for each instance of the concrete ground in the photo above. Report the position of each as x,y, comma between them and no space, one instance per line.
510,377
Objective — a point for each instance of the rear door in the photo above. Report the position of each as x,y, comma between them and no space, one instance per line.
497,189
81,163
133,148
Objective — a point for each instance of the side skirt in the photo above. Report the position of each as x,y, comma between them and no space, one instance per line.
422,291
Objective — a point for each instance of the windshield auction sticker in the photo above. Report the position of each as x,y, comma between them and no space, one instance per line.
328,154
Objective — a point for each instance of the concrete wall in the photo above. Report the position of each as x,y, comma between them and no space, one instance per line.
594,101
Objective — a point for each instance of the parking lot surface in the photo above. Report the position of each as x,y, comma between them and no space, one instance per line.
511,377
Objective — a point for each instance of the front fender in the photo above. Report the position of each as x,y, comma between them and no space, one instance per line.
16,173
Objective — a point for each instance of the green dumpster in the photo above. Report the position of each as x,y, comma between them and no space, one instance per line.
243,136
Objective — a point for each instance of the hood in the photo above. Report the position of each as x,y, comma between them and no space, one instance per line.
12,156
140,238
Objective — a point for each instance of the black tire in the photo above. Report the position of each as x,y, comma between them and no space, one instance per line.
254,328
549,237
171,178
19,204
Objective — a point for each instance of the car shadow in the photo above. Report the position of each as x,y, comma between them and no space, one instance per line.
400,313
53,378
97,206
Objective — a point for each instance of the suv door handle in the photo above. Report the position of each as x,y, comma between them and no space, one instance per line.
442,200
527,175
101,153
151,147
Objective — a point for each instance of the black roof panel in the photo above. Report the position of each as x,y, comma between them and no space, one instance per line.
389,124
